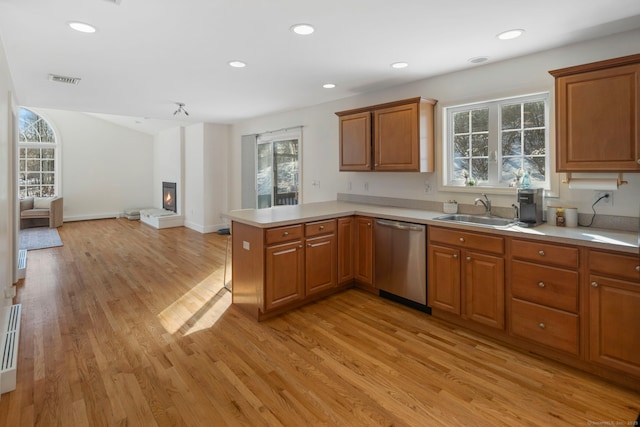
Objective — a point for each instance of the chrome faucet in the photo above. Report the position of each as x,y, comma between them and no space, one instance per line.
486,202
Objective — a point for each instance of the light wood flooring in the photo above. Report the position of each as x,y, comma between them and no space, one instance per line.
127,325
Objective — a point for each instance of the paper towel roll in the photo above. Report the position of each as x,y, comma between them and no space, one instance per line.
593,184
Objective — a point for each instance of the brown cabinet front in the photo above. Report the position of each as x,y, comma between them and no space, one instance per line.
284,274
597,116
396,145
484,288
364,250
346,249
444,278
320,264
355,142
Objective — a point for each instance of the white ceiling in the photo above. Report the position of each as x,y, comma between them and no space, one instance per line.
149,54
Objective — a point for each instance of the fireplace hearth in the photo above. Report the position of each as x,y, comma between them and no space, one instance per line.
169,199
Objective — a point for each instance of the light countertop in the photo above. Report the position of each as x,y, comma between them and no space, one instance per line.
622,241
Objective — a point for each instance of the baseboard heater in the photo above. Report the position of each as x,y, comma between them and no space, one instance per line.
9,336
22,263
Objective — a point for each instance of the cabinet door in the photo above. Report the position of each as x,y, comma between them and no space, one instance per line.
284,270
346,249
484,289
320,264
397,139
364,250
597,120
355,142
614,316
443,291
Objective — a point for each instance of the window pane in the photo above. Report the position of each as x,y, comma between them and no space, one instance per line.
23,165
48,165
48,153
511,116
33,153
511,144
33,165
509,166
461,146
33,178
480,120
534,142
459,166
534,114
461,122
480,169
264,175
48,178
47,191
480,145
535,166
23,153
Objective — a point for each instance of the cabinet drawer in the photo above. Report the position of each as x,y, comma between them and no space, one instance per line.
283,234
320,227
545,325
627,266
546,253
555,287
481,242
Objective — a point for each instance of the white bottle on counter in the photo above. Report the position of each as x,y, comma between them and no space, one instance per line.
571,217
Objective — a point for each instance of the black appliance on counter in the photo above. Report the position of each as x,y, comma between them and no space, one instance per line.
530,200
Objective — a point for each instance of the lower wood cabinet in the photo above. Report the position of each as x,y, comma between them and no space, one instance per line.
284,274
614,311
320,264
346,249
464,280
364,250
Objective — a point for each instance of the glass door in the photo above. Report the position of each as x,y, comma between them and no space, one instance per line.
278,172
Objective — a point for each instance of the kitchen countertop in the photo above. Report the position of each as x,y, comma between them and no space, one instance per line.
622,241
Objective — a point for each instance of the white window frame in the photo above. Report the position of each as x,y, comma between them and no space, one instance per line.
493,185
56,146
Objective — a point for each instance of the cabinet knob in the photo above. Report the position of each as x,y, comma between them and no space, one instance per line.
637,267
541,284
322,227
300,246
455,256
468,258
542,325
594,284
309,244
286,233
638,161
368,224
541,253
462,240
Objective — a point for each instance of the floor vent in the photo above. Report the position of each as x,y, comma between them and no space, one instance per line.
22,263
10,337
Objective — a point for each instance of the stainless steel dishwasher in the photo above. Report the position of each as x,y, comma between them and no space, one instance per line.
401,261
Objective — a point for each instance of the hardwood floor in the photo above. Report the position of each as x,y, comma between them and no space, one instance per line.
127,325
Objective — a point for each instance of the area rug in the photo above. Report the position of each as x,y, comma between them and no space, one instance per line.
39,238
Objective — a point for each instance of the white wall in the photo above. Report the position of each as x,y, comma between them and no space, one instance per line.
205,176
106,168
7,224
168,165
514,77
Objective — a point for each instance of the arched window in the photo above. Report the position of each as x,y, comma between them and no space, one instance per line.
38,145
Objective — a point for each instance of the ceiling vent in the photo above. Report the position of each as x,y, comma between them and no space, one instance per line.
64,79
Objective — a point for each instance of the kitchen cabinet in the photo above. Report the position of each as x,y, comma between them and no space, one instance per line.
544,288
364,251
321,271
466,275
396,136
346,249
598,116
614,310
284,266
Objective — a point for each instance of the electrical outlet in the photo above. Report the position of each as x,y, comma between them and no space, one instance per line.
607,201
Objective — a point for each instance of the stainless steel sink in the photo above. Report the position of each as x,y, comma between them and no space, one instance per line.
489,221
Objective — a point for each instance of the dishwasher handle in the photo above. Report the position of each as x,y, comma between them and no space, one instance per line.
399,225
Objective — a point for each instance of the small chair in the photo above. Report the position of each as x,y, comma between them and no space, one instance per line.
34,212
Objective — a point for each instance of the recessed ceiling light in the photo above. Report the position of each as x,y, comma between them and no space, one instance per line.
82,27
478,59
237,64
400,65
328,85
510,34
303,29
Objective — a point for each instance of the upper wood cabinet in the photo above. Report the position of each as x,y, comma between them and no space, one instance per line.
597,116
396,136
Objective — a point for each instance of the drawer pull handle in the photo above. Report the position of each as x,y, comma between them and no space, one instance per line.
541,253
594,284
455,256
542,326
462,239
286,233
322,227
541,284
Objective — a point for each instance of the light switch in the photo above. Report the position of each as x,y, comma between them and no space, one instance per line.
246,245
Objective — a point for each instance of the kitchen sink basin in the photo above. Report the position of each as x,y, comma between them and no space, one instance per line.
489,221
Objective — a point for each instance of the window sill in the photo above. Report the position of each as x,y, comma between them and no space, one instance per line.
483,189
